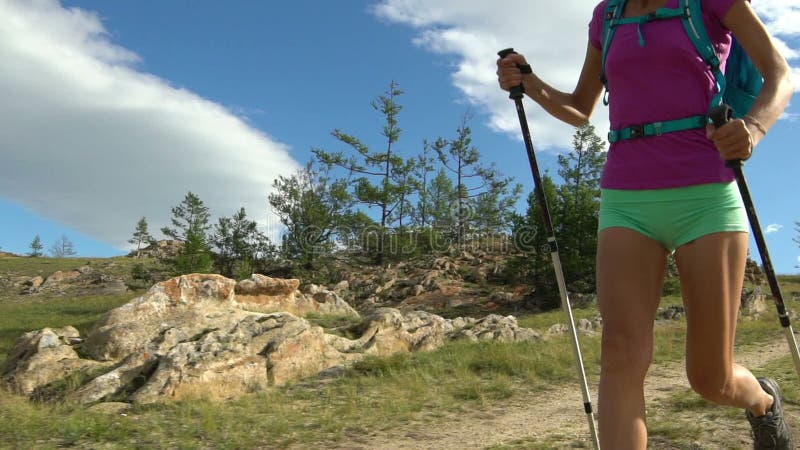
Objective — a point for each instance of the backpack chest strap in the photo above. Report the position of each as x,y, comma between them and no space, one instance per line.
657,128
660,14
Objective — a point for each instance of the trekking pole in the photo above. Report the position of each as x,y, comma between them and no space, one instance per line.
719,116
516,94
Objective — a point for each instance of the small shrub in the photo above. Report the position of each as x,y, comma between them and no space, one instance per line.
672,287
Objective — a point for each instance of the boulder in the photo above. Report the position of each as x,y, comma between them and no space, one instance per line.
167,248
674,312
183,306
261,350
391,331
753,301
196,335
265,294
343,285
34,283
60,277
41,357
135,366
497,328
584,326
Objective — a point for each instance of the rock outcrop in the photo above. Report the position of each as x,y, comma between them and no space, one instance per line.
207,335
84,280
41,357
166,248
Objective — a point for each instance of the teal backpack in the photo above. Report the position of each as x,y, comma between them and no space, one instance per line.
737,87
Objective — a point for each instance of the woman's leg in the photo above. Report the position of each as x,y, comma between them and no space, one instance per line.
712,271
630,274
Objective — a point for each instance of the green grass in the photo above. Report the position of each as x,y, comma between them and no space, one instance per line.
373,395
340,324
542,321
555,441
679,421
19,318
31,267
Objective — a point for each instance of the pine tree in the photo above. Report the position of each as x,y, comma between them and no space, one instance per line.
530,237
442,197
36,247
312,208
240,244
190,225
494,209
422,170
190,217
374,185
141,236
194,257
576,213
472,179
407,184
574,208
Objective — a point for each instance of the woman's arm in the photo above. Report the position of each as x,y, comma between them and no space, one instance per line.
733,141
573,108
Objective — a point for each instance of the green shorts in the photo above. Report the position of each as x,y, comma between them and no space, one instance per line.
675,216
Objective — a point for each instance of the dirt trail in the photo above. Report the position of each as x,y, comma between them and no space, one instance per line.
555,418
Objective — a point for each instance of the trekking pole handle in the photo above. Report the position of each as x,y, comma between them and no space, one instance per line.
720,115
516,92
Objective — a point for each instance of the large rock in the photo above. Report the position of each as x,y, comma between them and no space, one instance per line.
41,357
265,294
184,306
497,328
198,335
34,283
753,301
59,277
390,331
261,350
166,248
82,281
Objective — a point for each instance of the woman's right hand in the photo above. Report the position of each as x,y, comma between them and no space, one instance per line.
508,72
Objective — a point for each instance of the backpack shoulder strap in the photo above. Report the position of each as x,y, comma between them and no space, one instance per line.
613,12
696,30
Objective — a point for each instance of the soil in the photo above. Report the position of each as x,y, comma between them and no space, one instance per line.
555,418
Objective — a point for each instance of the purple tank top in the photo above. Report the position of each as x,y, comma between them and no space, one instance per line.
664,80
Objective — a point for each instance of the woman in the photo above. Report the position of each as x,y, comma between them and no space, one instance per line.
671,192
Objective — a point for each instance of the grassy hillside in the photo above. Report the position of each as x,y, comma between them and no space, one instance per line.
31,267
374,395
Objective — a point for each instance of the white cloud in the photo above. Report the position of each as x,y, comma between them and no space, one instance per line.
773,228
91,142
780,16
473,31
552,37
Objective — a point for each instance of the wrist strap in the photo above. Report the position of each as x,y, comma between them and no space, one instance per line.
753,121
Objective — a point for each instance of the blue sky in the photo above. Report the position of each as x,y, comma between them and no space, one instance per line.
114,110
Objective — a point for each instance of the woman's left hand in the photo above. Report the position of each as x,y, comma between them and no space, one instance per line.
734,140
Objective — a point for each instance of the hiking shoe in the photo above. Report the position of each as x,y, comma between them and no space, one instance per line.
770,430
